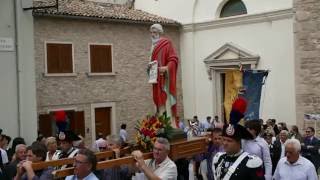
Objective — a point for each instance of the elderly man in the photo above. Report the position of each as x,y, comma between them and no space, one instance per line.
161,166
19,155
164,89
283,136
84,164
294,166
35,153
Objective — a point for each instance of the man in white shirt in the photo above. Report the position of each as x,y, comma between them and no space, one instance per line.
258,146
100,144
294,166
161,166
84,164
207,124
123,134
283,136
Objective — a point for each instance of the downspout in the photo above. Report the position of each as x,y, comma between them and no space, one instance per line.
195,3
15,8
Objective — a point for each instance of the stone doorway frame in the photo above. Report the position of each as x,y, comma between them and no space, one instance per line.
113,117
229,56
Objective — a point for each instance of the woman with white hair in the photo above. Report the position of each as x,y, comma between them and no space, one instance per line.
294,166
53,153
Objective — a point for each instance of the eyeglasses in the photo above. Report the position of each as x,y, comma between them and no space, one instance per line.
76,162
157,149
308,131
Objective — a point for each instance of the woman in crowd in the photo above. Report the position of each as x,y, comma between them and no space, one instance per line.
274,148
295,134
53,153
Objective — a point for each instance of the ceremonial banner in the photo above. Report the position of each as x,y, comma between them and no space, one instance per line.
233,82
252,82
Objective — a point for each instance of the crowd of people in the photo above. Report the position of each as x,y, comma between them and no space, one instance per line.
267,151
18,165
281,151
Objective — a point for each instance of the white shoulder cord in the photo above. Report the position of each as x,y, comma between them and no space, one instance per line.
235,165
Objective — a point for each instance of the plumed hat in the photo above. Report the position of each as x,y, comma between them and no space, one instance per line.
233,129
60,116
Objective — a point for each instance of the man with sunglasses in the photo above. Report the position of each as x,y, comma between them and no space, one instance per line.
310,147
84,164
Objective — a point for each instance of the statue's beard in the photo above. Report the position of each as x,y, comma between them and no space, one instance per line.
155,39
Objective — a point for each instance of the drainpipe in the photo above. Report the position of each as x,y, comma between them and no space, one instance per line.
195,3
16,14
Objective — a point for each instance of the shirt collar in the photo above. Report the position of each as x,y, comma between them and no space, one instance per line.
90,176
236,154
162,163
298,162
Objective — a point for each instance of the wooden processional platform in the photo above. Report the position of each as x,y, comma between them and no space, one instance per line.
179,149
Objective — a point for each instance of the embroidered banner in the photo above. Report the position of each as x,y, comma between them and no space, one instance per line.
233,82
253,81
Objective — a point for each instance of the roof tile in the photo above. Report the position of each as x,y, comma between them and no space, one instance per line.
87,8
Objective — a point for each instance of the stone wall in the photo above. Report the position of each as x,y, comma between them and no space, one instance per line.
307,52
128,88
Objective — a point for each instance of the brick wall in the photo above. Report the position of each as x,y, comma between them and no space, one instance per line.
128,88
307,52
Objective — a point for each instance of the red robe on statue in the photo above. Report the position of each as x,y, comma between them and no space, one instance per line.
165,55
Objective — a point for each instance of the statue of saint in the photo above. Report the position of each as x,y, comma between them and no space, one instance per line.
164,86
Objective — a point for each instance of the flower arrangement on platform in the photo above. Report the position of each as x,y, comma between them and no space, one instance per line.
151,127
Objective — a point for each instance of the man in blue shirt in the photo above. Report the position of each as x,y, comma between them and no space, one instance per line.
84,164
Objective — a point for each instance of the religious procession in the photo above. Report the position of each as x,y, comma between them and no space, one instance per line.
159,90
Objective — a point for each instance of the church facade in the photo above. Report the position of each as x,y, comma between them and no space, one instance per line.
224,34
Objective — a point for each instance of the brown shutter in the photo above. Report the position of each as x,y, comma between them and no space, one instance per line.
101,58
77,123
52,58
59,58
65,58
45,125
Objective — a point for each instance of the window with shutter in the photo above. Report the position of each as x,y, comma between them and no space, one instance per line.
100,58
59,58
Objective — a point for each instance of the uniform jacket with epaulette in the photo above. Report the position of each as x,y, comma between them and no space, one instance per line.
250,168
